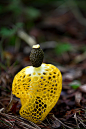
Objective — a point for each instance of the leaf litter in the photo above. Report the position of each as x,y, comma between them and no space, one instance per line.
70,110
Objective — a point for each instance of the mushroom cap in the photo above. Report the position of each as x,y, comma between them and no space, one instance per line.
36,56
39,90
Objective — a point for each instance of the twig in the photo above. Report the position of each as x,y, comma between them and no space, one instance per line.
1,110
31,127
19,125
48,121
10,104
31,123
62,123
17,120
75,117
36,119
2,104
6,123
35,125
28,39
80,120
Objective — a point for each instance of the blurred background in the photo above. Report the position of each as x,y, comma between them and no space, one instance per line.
59,26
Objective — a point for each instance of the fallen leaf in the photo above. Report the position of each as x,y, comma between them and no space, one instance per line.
83,88
56,124
68,76
72,74
75,84
78,97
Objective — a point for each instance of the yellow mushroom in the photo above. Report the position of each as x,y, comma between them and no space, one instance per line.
38,88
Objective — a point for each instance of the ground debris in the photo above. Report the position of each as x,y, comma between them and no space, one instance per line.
56,25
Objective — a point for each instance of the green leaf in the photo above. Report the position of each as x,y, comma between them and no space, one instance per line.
15,7
7,32
75,84
32,13
63,47
12,40
19,25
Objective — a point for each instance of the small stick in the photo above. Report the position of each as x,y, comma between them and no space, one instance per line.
28,39
62,122
10,104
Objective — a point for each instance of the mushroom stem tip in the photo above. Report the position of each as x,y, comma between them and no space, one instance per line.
36,46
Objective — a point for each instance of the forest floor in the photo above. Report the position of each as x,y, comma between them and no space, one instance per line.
63,40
